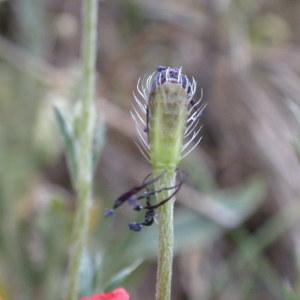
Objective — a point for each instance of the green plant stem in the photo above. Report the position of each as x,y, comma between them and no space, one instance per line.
86,124
166,238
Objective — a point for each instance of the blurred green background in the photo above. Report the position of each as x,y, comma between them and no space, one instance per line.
237,217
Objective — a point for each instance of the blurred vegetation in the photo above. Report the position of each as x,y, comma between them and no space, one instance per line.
237,218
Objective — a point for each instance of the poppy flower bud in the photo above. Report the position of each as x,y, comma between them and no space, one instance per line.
167,117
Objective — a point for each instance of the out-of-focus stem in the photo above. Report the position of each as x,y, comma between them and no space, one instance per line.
86,124
166,238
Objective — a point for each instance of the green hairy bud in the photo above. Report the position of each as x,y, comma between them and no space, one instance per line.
167,117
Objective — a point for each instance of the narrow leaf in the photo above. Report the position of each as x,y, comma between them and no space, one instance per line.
98,143
66,131
191,230
122,275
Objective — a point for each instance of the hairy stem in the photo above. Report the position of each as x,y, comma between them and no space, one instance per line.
86,124
166,238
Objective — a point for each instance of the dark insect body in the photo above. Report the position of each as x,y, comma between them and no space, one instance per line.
133,198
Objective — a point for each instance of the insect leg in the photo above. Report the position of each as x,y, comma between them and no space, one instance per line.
177,188
131,194
152,193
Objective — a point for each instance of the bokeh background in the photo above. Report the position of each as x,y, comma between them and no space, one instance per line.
237,217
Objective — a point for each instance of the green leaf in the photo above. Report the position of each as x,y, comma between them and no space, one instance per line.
66,128
200,174
87,273
289,294
236,204
98,142
122,275
191,230
229,207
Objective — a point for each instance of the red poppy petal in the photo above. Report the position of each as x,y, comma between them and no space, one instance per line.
117,294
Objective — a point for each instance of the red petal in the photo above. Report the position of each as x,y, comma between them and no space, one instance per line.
117,294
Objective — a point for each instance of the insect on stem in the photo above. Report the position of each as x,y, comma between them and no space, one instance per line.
133,198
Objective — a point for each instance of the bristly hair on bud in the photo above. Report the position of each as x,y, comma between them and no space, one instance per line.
167,117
